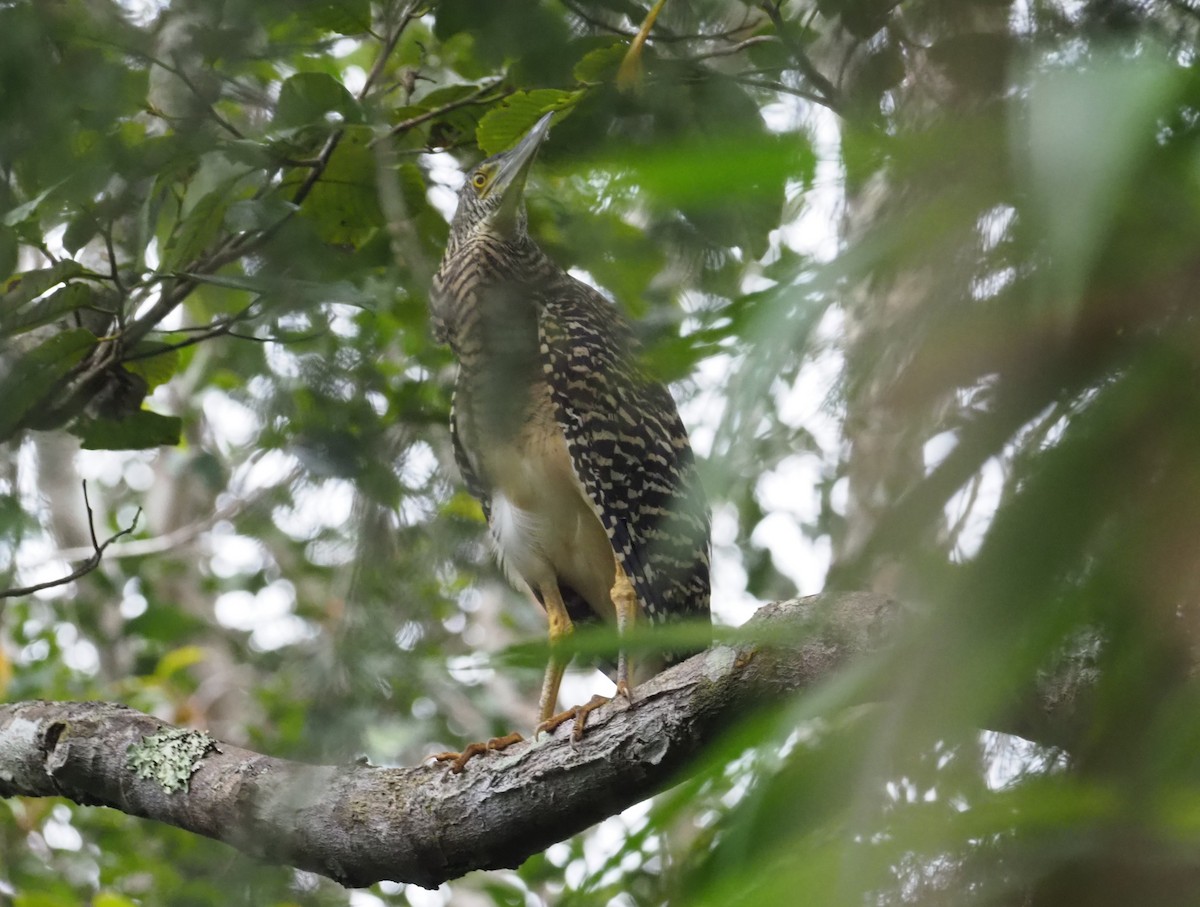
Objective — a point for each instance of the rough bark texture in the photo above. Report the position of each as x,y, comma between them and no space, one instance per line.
359,824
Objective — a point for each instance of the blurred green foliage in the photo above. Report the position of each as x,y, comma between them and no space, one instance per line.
933,261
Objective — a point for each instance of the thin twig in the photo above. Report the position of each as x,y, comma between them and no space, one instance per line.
731,49
226,331
786,89
596,23
216,328
475,97
209,110
664,35
176,538
388,46
112,261
115,275
88,565
804,64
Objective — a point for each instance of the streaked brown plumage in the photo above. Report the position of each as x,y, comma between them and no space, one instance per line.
579,459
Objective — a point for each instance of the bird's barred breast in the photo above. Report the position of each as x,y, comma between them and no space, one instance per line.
543,524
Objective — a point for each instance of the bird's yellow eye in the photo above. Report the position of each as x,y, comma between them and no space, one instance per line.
479,180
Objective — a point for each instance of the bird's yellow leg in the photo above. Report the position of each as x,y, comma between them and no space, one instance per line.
624,600
560,629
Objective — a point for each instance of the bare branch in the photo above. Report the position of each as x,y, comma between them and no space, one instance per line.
730,50
238,502
88,565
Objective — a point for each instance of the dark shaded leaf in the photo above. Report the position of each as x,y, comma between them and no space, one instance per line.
8,251
198,229
346,17
46,310
308,98
21,288
34,375
138,431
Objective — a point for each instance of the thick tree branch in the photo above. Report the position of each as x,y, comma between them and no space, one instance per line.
359,824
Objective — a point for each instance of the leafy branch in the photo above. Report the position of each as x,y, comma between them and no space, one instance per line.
80,383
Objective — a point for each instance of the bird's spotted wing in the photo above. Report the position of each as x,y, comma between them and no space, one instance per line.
465,467
630,451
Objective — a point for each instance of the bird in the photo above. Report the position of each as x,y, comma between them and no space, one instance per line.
577,455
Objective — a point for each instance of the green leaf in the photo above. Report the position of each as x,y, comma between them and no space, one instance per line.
8,250
729,168
250,214
600,65
179,659
59,303
344,206
250,152
308,97
138,431
503,126
19,213
111,899
197,230
159,365
21,288
462,53
442,96
79,231
881,71
34,375
346,17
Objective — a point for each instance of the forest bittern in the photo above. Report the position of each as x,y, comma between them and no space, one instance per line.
578,457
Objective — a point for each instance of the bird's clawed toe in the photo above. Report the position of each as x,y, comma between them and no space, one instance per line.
579,714
458,761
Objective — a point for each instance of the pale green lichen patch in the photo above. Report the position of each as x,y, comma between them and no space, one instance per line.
170,757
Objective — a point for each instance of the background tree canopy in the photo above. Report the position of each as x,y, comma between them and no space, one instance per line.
923,275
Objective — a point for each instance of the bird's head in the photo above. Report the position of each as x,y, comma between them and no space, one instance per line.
492,197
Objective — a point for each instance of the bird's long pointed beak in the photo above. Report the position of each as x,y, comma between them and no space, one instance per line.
514,168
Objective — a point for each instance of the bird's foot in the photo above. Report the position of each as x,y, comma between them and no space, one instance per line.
580,712
458,761
624,691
